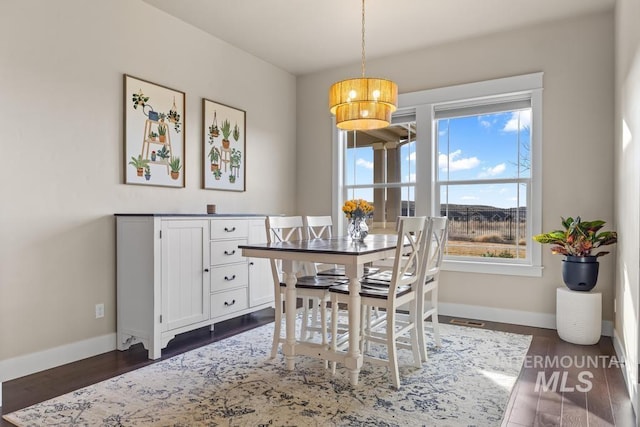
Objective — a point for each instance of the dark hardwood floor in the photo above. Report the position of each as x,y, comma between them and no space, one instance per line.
606,403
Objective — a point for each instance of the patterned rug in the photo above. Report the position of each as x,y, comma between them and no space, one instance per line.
466,382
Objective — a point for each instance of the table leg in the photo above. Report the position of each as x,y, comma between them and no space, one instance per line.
353,360
289,346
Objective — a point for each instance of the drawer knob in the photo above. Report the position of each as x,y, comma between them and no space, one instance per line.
230,253
229,278
230,230
206,270
229,304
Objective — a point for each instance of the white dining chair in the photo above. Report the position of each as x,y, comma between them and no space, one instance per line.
399,291
427,300
434,243
310,288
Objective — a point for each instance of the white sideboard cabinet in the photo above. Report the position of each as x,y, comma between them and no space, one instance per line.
176,273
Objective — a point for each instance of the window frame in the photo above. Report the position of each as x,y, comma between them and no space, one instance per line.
422,105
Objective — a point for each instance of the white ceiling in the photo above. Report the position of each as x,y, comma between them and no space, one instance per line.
304,36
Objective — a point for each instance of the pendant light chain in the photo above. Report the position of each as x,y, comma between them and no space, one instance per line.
363,56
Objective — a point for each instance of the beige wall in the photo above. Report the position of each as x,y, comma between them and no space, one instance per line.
627,183
61,110
577,59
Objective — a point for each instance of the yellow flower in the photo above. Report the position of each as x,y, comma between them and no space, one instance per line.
358,208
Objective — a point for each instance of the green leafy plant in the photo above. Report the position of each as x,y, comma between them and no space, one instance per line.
163,153
578,238
236,132
153,134
174,164
214,155
236,156
217,173
226,129
162,129
139,162
139,99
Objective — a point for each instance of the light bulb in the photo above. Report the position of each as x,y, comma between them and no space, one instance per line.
376,94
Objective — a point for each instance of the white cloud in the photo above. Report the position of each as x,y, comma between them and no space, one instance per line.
512,124
412,157
494,171
483,122
454,163
364,163
469,198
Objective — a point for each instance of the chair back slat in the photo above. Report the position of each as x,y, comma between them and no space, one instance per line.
318,227
407,265
434,245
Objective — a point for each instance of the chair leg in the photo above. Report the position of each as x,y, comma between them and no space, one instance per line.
415,341
323,320
277,326
392,350
334,331
434,318
305,319
420,319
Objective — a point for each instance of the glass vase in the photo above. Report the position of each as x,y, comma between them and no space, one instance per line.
357,229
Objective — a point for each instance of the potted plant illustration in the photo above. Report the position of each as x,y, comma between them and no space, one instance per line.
226,132
153,156
139,163
213,129
153,136
236,132
175,166
147,173
578,241
232,179
217,173
163,153
234,162
162,132
214,155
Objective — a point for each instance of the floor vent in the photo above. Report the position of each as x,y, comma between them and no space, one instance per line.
467,323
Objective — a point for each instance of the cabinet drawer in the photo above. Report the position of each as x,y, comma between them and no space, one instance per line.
229,228
229,276
228,302
226,251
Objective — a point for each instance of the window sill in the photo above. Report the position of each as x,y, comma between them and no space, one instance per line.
492,268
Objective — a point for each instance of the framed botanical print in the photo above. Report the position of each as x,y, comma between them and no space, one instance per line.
153,134
224,147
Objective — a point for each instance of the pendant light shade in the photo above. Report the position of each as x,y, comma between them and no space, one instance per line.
365,102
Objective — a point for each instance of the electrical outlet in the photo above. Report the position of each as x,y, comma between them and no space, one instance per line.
99,311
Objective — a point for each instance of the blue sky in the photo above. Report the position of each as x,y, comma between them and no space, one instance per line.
480,147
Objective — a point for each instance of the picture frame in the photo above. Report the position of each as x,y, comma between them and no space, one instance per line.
154,134
223,147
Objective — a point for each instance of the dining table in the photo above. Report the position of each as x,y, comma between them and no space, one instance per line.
337,250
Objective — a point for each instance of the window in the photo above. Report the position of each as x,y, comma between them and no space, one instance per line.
468,152
484,177
380,168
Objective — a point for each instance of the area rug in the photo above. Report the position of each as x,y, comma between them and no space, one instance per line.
466,382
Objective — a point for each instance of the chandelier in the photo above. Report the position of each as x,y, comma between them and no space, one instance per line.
363,103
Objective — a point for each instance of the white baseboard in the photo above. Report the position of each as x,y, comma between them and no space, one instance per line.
35,362
516,317
629,376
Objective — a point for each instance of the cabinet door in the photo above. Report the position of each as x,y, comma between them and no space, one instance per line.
185,284
260,280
